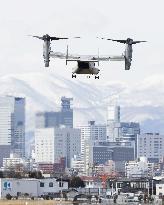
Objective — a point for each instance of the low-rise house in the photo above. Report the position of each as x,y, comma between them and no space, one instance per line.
30,187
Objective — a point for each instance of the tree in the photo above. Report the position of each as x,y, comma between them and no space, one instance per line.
76,182
8,197
37,175
1,174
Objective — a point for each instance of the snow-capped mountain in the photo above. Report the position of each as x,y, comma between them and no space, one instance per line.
142,102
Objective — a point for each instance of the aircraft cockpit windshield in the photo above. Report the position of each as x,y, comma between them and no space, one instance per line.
83,65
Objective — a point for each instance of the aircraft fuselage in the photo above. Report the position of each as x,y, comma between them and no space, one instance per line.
84,67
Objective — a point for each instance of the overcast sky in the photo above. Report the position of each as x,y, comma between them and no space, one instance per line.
138,19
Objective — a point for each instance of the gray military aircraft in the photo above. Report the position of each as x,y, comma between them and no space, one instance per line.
128,50
46,46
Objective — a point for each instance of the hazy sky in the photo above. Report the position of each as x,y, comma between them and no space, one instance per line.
138,19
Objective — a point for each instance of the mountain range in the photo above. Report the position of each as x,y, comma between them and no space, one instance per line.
141,102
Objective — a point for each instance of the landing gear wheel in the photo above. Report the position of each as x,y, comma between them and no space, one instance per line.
73,76
96,77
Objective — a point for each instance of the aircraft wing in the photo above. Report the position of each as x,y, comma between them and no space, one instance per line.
63,55
76,57
73,57
117,58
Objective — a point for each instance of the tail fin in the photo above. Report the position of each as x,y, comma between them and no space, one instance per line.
67,55
98,57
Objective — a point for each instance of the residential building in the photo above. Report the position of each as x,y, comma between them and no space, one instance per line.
139,168
12,162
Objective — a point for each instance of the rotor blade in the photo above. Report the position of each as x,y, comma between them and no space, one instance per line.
101,37
134,42
120,41
56,38
38,37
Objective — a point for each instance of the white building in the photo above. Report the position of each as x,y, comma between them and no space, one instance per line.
120,131
109,167
12,126
151,146
139,168
113,119
53,143
160,189
77,164
32,187
12,161
91,133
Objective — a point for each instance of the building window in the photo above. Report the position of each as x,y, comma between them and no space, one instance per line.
51,184
41,184
60,184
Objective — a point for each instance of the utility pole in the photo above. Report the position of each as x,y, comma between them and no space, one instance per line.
61,184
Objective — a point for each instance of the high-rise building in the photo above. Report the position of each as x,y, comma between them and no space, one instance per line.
113,122
12,126
55,119
120,131
52,144
91,133
113,113
151,146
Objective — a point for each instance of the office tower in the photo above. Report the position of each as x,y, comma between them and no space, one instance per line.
120,131
66,115
129,131
113,113
101,152
12,126
55,119
113,122
151,146
18,141
91,133
52,144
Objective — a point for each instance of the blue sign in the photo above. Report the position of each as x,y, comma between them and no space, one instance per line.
7,185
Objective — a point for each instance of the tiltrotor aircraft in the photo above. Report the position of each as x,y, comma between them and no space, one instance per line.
128,50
